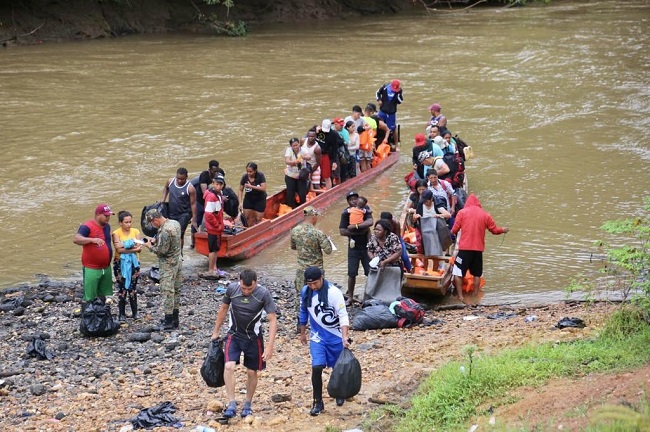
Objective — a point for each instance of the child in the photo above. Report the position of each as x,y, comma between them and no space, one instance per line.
214,224
358,213
126,266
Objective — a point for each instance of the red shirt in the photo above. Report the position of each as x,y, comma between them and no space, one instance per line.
213,213
93,256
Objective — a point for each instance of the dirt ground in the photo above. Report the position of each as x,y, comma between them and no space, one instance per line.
394,361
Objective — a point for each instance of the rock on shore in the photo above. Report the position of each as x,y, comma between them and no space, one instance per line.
99,384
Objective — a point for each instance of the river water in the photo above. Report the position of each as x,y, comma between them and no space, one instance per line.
555,101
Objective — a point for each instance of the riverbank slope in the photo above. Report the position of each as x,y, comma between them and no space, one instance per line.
38,21
98,384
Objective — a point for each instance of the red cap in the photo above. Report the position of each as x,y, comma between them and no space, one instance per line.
435,107
338,120
103,209
395,85
420,139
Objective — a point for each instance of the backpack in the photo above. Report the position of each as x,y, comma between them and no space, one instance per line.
461,146
147,228
409,312
456,174
230,202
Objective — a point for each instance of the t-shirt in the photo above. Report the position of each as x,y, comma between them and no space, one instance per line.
245,312
93,256
325,322
253,195
132,235
361,236
292,170
356,215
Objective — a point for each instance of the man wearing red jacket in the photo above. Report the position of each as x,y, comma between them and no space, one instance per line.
472,221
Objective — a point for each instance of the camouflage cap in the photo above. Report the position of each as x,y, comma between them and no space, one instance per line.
152,214
310,211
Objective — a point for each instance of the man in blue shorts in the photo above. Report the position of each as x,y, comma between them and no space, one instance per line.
324,305
244,303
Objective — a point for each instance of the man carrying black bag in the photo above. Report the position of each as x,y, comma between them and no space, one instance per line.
324,305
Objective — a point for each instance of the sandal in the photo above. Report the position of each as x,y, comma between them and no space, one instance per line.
230,412
246,411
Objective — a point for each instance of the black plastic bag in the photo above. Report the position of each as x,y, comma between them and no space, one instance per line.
97,320
374,317
147,228
154,274
156,416
570,322
345,380
214,364
36,348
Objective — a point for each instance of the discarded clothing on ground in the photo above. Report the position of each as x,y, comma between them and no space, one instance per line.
570,322
36,348
501,315
157,416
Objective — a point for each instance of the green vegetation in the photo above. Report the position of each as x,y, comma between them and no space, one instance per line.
460,391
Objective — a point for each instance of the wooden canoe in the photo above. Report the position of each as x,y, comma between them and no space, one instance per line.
434,277
252,240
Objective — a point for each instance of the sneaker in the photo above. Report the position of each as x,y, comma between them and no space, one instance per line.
317,407
230,412
340,401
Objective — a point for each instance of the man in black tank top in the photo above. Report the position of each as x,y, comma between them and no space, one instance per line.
182,201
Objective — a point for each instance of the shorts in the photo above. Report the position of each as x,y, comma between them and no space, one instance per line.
354,257
468,260
252,349
325,166
97,283
367,155
324,354
183,220
389,119
258,205
214,242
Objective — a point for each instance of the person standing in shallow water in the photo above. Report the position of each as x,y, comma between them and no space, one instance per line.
126,266
95,237
167,246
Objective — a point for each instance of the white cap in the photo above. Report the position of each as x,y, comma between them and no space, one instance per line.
326,125
440,141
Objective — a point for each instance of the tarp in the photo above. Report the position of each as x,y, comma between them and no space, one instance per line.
384,285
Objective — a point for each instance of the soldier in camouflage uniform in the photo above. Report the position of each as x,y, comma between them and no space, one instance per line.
310,243
167,247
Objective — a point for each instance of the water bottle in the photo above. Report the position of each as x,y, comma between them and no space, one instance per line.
530,318
204,429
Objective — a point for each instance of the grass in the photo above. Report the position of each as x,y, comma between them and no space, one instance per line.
451,396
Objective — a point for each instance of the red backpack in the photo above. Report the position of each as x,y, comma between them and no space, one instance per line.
409,312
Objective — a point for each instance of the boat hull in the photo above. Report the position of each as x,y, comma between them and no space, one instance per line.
251,241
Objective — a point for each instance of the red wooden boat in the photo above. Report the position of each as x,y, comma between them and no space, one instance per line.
249,242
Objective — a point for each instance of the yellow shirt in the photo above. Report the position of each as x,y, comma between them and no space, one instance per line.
133,234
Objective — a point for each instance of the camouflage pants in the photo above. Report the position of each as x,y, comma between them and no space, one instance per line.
171,279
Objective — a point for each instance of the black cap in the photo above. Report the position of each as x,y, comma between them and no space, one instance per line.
351,194
312,274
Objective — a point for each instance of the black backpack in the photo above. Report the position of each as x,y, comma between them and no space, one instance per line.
147,228
456,174
230,202
460,146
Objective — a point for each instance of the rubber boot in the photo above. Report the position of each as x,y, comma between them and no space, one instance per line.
121,308
175,318
133,301
167,323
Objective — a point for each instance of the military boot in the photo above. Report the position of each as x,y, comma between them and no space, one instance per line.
175,318
121,308
167,323
133,301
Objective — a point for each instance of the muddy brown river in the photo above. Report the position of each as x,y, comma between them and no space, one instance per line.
555,101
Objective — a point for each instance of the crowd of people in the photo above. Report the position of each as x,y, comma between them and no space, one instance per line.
326,156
